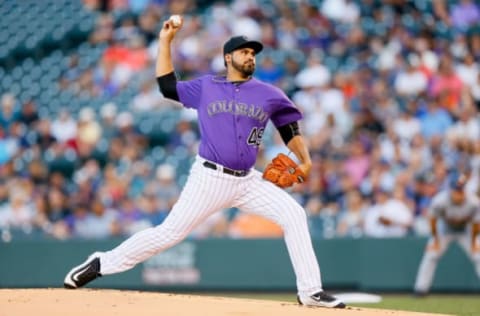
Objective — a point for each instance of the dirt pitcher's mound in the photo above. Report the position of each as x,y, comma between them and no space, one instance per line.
52,302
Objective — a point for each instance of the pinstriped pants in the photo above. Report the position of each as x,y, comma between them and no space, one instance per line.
207,191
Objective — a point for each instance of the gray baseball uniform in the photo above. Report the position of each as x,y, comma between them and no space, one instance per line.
446,212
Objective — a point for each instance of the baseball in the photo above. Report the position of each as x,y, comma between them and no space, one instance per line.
176,20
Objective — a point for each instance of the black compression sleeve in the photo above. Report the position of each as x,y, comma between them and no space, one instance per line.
288,131
168,86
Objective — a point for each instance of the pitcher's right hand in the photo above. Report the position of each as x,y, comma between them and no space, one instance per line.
168,31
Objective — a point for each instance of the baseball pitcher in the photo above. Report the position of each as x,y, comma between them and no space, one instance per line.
454,216
233,111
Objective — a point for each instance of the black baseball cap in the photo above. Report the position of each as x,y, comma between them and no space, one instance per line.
237,42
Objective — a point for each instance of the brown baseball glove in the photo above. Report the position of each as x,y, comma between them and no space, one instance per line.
283,172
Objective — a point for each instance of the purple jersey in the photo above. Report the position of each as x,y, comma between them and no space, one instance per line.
232,117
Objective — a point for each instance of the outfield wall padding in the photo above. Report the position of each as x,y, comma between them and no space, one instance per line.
237,265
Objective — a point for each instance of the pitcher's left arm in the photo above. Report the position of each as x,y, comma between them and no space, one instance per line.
299,147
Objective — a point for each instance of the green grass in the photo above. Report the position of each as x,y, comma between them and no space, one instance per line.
461,305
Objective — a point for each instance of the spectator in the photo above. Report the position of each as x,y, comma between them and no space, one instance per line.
43,135
324,218
136,57
126,30
139,174
108,113
380,175
330,135
73,72
464,14
407,125
358,163
29,114
368,122
149,98
82,195
345,11
351,218
468,71
268,71
99,223
314,75
164,187
412,81
148,204
131,219
89,132
38,173
114,187
64,128
466,128
18,213
56,206
110,77
447,85
8,147
435,121
147,24
126,129
388,217
104,29
8,112
332,101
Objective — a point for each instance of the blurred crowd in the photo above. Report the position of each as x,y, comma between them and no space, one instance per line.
390,92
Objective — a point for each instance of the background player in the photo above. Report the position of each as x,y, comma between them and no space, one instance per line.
232,113
454,216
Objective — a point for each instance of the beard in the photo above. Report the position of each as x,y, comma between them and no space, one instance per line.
246,69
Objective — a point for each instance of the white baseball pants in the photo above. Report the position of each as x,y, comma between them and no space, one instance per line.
207,191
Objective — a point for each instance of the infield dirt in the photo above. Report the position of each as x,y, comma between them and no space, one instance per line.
86,302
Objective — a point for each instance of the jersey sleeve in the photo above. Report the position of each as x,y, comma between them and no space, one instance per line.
189,92
285,111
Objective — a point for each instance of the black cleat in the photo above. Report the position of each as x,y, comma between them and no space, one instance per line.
82,274
321,299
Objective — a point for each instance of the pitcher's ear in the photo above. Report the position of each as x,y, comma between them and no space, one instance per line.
227,57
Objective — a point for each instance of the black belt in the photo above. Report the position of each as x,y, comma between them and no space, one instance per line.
236,173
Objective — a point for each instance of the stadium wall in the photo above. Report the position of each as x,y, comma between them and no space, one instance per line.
240,265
